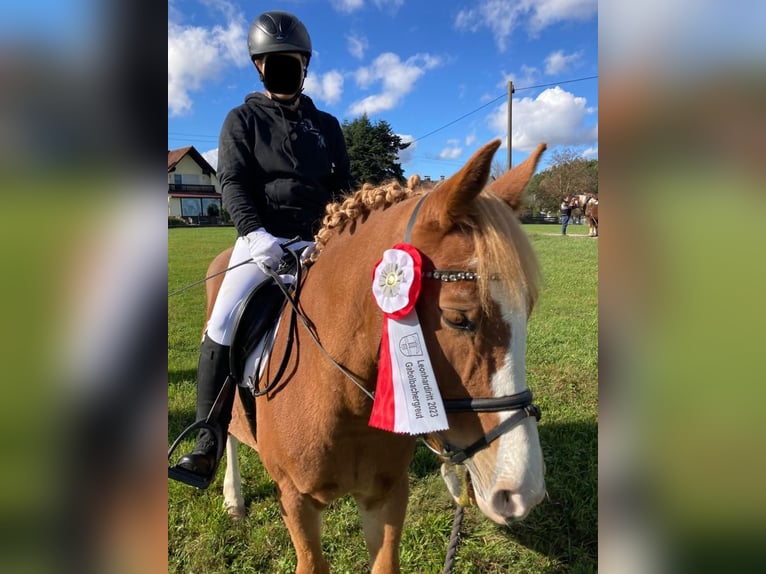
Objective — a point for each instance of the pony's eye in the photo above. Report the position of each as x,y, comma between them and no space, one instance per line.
457,320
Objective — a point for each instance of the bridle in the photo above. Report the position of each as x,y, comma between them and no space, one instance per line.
519,403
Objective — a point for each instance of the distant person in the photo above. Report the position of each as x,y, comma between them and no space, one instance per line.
280,162
566,213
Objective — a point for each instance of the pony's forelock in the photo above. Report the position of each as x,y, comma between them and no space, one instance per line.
504,254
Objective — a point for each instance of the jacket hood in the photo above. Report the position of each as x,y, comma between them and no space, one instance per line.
261,99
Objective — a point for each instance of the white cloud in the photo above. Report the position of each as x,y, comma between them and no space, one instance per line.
558,62
547,12
452,151
211,156
364,77
357,46
470,139
197,55
529,77
406,155
556,116
390,5
347,5
397,79
501,17
590,153
325,87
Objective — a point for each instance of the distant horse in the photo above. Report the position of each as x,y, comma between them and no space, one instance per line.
479,285
588,204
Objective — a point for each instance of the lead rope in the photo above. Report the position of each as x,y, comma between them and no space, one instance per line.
454,540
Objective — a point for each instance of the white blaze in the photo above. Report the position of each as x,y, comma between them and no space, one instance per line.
518,468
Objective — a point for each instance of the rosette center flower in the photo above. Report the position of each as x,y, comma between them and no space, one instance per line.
390,279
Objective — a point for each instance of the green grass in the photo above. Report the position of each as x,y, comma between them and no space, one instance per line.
562,369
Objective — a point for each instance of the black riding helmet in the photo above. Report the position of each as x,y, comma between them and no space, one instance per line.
278,31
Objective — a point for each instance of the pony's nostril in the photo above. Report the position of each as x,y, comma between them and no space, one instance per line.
502,502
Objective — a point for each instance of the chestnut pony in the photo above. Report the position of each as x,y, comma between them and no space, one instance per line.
311,431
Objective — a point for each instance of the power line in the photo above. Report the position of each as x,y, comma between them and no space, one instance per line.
458,119
500,97
554,84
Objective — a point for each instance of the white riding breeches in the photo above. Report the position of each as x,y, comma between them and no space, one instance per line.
237,283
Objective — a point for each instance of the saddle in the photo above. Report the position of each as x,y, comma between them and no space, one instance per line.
255,323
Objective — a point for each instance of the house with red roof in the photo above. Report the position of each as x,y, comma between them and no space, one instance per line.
194,193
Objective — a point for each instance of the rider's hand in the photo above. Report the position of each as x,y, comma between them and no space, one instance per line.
264,247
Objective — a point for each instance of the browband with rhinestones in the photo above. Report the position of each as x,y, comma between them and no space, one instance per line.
450,275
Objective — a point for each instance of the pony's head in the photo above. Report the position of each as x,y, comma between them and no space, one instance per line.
479,330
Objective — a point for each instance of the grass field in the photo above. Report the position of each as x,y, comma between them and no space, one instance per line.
562,370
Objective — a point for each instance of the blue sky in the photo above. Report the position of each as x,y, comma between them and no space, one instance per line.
436,71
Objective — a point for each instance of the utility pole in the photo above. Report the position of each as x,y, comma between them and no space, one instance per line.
510,121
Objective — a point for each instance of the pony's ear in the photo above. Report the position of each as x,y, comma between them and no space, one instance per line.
457,192
510,186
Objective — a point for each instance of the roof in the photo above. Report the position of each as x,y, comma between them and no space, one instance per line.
176,155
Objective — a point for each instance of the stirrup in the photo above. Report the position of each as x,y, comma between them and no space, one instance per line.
219,437
187,477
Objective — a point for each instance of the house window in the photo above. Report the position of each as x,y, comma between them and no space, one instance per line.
177,179
211,208
191,207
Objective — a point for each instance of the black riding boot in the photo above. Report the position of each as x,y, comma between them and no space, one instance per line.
212,372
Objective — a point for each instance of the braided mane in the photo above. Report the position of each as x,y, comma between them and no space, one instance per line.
360,204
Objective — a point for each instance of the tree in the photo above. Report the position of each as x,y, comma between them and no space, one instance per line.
373,150
531,204
569,174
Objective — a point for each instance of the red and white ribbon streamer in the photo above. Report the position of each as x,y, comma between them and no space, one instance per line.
407,398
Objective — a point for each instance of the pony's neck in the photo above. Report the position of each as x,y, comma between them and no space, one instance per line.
338,292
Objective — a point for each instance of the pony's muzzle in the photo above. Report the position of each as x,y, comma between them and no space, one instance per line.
505,504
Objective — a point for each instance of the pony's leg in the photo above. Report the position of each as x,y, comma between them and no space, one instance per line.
382,522
233,501
303,518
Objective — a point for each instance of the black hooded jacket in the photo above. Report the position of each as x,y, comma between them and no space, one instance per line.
279,167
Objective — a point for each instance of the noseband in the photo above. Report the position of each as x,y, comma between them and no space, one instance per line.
519,403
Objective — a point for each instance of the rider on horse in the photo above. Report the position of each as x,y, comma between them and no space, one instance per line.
280,161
